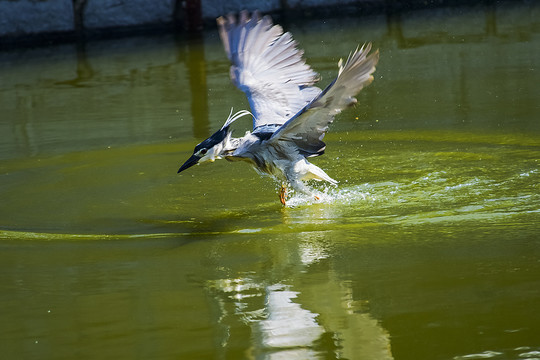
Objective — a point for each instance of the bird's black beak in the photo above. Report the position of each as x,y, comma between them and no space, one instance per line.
189,163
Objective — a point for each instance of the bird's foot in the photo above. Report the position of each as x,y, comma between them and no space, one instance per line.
283,195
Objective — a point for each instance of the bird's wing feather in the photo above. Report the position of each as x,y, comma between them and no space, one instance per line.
308,127
267,67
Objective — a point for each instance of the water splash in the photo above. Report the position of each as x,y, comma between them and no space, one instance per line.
333,195
434,196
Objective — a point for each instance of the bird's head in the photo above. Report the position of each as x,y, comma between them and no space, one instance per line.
208,150
215,146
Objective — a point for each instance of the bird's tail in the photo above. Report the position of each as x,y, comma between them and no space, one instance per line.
316,173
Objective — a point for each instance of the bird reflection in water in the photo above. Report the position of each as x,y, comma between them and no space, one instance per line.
295,319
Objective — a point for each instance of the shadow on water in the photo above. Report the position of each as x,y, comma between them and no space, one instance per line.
427,249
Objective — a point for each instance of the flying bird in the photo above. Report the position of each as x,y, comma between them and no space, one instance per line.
290,114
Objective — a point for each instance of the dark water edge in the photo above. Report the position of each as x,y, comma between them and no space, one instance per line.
286,15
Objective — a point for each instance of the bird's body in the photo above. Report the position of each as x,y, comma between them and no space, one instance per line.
281,160
290,114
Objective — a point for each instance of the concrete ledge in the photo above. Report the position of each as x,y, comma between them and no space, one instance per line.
318,3
118,13
214,9
24,17
42,20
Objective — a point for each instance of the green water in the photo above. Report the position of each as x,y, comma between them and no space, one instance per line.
429,247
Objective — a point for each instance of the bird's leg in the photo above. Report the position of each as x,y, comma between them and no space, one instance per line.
282,194
301,187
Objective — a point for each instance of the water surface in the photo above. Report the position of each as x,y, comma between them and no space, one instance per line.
427,249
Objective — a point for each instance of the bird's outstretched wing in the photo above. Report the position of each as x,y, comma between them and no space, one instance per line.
307,128
267,67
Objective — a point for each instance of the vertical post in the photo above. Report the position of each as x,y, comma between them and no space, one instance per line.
189,13
78,16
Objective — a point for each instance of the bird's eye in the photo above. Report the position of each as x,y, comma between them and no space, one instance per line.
203,152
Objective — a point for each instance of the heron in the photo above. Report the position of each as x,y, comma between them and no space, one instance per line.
290,114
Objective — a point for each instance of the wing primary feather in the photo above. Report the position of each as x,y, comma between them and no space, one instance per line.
308,127
267,66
